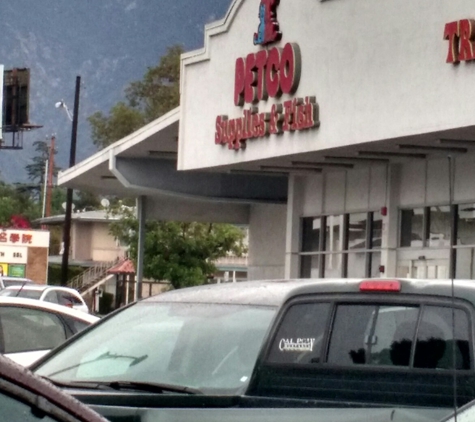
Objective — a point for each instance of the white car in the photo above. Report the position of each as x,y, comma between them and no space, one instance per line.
30,328
53,294
6,281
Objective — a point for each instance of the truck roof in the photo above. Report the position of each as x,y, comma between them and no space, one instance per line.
275,292
261,293
462,289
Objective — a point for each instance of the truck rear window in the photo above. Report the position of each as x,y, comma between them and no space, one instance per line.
413,336
300,337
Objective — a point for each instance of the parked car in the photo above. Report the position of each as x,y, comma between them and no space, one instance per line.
25,397
30,328
6,281
54,294
373,349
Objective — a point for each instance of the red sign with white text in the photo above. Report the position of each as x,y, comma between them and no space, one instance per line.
269,73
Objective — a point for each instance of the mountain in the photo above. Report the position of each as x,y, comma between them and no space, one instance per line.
109,43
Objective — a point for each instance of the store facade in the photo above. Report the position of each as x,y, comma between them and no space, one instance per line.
364,110
369,109
24,253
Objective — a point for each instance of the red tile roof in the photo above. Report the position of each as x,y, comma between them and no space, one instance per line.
123,267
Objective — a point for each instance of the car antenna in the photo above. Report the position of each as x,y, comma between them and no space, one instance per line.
20,289
452,268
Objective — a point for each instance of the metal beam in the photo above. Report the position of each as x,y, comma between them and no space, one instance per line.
141,217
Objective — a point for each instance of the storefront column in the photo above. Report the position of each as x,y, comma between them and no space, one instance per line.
141,217
292,241
390,221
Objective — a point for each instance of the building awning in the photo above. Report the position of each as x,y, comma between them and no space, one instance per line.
144,164
124,267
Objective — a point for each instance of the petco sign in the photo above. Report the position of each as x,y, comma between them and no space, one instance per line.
269,73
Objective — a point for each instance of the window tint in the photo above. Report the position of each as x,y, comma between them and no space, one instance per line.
385,335
51,297
299,338
434,347
24,329
68,299
76,325
364,334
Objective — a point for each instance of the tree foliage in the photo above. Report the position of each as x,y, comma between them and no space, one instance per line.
181,253
36,169
87,201
122,121
148,99
15,203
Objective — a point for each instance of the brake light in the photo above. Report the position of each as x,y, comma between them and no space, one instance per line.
380,286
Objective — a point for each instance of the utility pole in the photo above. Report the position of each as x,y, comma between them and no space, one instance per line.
49,182
69,193
45,189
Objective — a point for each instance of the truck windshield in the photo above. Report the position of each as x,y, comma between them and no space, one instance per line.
210,347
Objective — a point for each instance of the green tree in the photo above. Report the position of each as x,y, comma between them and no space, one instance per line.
15,202
181,253
36,169
58,198
122,121
87,201
148,99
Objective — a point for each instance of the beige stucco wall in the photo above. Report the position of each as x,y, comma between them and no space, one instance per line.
91,241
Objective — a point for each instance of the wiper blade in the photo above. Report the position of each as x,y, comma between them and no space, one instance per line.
151,387
93,385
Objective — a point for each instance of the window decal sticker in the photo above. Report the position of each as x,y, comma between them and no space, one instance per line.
297,345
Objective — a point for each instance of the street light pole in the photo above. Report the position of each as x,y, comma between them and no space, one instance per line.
69,193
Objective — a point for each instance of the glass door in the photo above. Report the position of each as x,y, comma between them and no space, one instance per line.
436,269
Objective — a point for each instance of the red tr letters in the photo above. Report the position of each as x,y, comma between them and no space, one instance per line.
461,37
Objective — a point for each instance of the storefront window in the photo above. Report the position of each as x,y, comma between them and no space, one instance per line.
334,233
357,231
309,266
311,228
375,264
466,224
357,265
333,265
412,228
465,264
377,230
439,227
345,250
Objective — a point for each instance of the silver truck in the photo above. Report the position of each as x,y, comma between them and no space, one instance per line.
350,350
